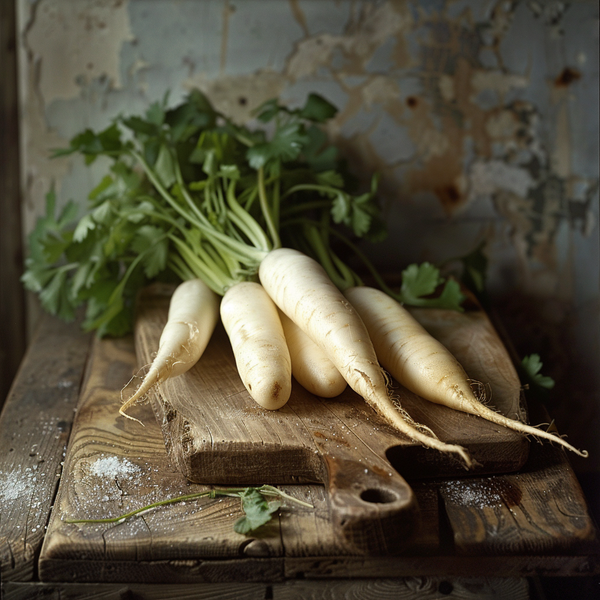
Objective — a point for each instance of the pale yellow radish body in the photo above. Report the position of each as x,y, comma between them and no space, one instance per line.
261,354
424,365
302,290
193,314
311,367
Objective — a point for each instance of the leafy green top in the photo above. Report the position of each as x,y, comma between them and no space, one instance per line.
188,193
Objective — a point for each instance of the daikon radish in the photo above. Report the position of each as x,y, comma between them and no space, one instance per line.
302,290
424,365
193,314
311,367
261,354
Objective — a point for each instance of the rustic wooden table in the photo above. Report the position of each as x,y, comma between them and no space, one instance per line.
480,536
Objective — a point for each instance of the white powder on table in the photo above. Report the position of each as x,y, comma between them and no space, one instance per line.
113,466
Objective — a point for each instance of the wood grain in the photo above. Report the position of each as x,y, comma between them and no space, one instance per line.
114,465
394,589
522,513
34,429
140,591
195,543
412,588
216,433
214,430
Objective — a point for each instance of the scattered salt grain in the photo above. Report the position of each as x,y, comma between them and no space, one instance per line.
13,486
112,466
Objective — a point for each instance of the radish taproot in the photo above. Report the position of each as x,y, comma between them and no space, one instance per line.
302,290
193,314
311,367
259,346
424,365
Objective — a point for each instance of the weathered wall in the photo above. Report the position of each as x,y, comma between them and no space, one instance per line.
481,115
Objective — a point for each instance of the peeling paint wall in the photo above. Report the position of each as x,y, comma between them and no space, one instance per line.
481,116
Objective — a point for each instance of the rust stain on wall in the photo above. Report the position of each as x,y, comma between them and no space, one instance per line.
299,15
567,76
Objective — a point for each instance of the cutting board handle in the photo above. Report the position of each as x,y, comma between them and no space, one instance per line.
372,508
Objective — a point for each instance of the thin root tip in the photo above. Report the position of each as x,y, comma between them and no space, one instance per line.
464,454
124,414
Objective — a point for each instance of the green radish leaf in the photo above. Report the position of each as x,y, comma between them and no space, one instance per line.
55,297
317,109
105,189
92,144
85,225
268,110
475,265
151,242
81,278
419,281
195,114
257,511
450,298
286,145
164,167
141,126
532,366
54,244
36,277
331,178
103,214
156,113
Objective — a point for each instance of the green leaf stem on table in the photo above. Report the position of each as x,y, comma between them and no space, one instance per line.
258,509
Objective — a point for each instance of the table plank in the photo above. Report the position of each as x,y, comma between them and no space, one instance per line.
140,591
540,509
414,588
196,543
34,428
114,465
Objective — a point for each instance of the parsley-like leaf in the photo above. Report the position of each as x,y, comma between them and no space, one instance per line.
420,281
317,109
532,366
286,145
151,242
257,511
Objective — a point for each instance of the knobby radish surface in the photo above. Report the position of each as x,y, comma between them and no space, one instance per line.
193,314
261,354
424,365
302,290
310,365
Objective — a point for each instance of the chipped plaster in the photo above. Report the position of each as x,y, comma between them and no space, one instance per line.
75,43
480,115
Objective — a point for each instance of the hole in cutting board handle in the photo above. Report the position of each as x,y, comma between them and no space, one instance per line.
378,496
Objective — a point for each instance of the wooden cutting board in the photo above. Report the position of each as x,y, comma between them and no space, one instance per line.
217,434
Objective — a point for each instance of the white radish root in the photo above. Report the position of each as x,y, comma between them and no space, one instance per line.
193,314
424,365
261,354
310,365
302,290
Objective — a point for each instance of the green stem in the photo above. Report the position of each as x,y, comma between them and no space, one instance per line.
312,187
245,222
202,264
241,251
266,490
337,270
266,211
180,268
